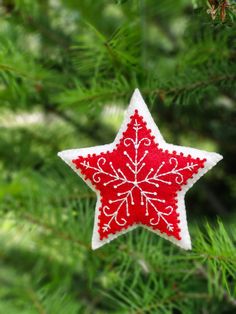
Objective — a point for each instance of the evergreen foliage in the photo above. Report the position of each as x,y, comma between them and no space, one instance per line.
67,71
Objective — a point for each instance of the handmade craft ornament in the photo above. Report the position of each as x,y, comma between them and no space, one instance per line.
139,179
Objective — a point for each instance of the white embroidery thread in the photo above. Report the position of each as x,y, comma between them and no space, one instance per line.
135,165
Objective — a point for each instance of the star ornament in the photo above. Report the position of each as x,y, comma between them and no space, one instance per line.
139,179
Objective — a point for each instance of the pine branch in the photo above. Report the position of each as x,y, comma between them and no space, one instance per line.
230,299
78,126
176,297
75,97
57,233
203,251
198,84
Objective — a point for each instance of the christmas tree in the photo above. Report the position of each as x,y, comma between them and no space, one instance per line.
67,71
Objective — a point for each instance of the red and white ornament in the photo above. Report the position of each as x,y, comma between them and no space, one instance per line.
139,179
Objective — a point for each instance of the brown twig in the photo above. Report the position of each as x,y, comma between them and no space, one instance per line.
37,304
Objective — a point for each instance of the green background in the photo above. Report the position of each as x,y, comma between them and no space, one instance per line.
67,71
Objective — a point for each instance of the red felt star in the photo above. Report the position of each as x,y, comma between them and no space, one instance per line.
140,179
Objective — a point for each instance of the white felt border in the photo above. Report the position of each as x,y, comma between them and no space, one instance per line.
138,103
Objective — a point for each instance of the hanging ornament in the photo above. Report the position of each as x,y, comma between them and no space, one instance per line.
139,179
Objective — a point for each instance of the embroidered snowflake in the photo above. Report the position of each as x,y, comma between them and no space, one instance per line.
138,181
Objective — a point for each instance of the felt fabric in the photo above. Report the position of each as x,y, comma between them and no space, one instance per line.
140,179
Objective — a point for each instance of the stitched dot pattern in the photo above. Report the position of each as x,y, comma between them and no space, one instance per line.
138,181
